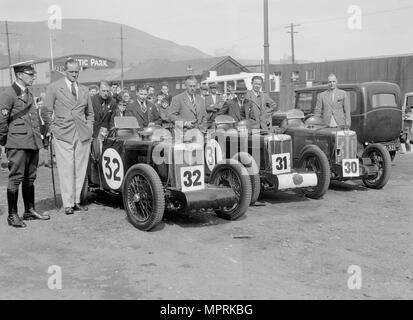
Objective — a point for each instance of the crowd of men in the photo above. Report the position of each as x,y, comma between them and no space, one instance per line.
79,118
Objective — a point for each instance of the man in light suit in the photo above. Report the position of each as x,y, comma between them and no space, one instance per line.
72,129
189,107
333,105
262,101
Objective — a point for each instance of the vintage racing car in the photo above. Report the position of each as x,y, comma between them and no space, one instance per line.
268,156
340,147
154,174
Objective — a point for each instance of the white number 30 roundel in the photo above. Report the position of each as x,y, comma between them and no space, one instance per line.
112,168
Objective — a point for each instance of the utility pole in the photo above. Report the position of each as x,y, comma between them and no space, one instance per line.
7,33
51,53
8,50
291,27
121,57
266,50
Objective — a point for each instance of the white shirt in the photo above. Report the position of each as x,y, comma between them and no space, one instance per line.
69,85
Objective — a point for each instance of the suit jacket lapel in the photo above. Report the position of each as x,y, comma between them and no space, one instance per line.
64,89
139,110
192,108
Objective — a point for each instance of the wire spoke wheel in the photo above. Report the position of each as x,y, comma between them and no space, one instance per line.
143,197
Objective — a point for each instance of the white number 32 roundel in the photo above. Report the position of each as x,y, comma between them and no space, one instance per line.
112,168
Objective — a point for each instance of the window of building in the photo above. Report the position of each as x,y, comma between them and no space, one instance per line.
295,76
178,85
275,80
383,100
310,75
239,83
183,85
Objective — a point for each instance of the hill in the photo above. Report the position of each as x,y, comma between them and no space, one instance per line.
93,37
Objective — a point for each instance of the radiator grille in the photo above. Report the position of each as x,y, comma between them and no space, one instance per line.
346,145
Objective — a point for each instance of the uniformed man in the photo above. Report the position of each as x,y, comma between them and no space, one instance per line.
20,134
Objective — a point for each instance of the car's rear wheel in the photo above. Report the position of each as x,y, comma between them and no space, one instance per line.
315,160
232,174
380,157
143,197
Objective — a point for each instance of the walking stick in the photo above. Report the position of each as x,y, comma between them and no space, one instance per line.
51,164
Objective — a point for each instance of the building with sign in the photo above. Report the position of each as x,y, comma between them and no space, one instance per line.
159,72
48,72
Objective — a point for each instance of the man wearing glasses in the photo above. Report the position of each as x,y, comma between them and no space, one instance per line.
72,129
20,134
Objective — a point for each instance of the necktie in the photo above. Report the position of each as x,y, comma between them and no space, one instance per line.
143,107
247,110
193,104
74,90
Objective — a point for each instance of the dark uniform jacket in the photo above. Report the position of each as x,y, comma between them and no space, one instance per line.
24,132
103,110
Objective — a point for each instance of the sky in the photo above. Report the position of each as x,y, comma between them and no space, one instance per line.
327,30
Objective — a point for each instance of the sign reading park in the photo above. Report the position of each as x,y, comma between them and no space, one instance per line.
85,62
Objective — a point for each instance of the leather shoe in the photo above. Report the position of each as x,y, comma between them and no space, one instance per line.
69,210
78,207
15,221
32,214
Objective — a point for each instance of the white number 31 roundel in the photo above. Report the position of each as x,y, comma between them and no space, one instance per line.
112,168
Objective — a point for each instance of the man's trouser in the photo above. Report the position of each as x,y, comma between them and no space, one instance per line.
72,160
22,164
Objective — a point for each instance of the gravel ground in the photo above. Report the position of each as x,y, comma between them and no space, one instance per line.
288,247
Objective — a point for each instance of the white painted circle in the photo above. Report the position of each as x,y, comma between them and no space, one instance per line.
213,153
112,168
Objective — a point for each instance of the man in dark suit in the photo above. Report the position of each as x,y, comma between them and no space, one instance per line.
239,107
72,129
20,134
103,107
333,105
144,110
189,107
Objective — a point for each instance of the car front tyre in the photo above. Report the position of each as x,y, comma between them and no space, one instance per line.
143,197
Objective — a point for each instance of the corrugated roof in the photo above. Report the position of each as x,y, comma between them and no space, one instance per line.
169,69
91,75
